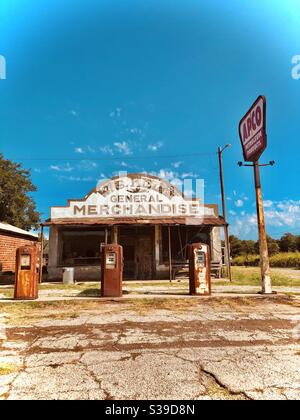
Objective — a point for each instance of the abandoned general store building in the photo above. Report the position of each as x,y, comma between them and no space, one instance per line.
148,216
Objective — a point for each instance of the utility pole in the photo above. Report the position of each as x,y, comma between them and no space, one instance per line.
41,265
226,234
263,244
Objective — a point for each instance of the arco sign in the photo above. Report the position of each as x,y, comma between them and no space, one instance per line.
252,130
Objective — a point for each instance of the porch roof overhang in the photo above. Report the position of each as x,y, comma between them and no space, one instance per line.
210,221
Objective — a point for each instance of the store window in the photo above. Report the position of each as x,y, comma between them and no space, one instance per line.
82,248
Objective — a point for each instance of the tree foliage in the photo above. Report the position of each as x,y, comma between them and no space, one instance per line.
287,243
17,206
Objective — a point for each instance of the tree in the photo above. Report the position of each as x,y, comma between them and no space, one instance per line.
17,206
248,247
235,246
288,243
273,246
298,243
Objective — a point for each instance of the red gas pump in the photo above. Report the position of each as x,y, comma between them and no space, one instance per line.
200,276
112,270
26,279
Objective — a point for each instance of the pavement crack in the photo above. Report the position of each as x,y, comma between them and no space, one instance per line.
223,387
107,395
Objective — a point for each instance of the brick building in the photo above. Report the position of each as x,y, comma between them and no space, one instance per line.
12,238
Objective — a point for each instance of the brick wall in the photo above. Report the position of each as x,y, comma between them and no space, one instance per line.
8,246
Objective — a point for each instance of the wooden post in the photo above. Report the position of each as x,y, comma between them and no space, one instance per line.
180,242
170,254
263,245
106,236
226,234
41,256
114,234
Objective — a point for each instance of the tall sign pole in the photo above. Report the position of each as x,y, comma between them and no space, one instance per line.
263,244
253,135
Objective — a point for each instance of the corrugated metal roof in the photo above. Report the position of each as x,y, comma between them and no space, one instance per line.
13,229
188,221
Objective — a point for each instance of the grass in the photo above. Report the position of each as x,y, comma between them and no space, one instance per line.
27,313
280,260
60,286
6,369
7,293
250,276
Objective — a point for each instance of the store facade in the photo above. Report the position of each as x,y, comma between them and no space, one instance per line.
148,216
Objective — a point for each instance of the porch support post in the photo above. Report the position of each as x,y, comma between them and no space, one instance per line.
41,255
170,254
157,246
114,234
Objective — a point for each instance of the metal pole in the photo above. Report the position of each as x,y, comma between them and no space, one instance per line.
263,245
226,234
170,254
41,255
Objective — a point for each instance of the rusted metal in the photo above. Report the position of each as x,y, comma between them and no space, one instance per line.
263,245
26,277
191,221
112,270
200,276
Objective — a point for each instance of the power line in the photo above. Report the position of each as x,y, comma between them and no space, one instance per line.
116,158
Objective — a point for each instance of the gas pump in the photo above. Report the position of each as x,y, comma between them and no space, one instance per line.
26,279
200,278
111,270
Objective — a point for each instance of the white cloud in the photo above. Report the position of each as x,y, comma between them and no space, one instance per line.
239,203
75,178
268,204
123,147
86,165
189,175
177,165
79,150
62,168
74,113
116,113
154,147
135,130
107,150
284,215
90,149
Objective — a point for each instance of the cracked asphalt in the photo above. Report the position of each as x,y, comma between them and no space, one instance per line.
192,349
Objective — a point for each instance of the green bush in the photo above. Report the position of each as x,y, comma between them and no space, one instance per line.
282,260
286,260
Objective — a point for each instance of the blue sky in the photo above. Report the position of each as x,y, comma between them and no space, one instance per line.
95,87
